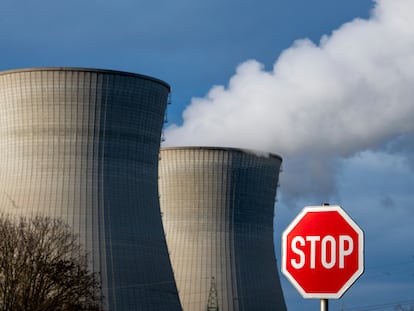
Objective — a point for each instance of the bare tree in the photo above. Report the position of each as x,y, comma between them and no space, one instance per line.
43,267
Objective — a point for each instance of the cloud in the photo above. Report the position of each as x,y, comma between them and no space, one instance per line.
351,92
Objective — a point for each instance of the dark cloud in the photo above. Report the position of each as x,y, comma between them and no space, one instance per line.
387,202
402,145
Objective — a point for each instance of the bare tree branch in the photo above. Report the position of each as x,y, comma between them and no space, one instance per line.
43,267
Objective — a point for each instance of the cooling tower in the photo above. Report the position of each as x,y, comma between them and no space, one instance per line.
217,206
82,145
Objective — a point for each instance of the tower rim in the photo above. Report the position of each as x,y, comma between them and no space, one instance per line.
259,153
86,69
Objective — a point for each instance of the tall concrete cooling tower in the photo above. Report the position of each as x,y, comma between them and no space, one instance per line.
217,206
82,145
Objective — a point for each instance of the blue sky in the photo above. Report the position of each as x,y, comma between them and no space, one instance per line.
337,104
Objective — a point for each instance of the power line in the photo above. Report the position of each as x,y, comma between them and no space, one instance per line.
379,306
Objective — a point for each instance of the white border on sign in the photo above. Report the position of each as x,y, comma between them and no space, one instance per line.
352,279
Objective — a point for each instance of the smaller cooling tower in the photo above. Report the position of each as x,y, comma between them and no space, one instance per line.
217,206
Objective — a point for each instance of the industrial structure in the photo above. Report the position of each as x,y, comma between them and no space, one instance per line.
82,145
218,207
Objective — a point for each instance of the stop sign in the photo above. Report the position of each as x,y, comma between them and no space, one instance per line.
322,252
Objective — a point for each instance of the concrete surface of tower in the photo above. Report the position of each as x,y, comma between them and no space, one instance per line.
218,207
82,145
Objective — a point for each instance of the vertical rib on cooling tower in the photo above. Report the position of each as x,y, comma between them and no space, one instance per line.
217,206
82,145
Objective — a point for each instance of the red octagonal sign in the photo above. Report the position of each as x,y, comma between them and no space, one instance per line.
322,252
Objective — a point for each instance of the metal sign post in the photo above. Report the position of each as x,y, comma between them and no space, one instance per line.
324,305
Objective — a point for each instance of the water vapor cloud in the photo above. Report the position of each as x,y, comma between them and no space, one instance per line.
352,91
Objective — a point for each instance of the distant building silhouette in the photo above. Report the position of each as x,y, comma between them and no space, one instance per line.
218,207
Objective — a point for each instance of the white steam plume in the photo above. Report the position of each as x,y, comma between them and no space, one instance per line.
352,92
